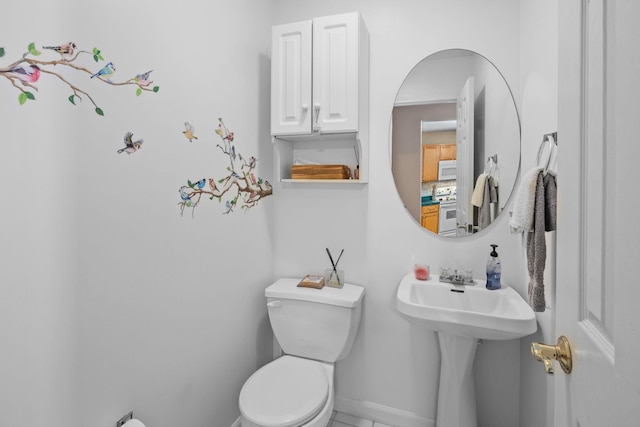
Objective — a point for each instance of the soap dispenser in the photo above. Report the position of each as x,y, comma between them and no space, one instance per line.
494,269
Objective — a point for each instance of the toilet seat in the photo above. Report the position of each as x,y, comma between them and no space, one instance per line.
284,393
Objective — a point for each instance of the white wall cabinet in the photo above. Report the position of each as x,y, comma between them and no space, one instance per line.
291,79
320,86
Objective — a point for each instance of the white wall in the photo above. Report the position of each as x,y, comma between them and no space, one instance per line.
38,347
111,300
539,38
393,363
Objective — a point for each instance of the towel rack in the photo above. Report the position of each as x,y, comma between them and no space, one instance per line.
553,135
491,166
552,140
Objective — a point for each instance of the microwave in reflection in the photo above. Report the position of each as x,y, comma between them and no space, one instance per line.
446,170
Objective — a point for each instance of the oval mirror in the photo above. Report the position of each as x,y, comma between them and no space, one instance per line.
455,143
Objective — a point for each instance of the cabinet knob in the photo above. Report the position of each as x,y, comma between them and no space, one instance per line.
305,107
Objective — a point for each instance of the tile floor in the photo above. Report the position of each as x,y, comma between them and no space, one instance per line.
340,419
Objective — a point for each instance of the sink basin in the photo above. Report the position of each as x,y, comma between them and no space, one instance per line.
464,310
461,315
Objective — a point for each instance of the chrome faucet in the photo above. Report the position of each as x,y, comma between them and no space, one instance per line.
449,275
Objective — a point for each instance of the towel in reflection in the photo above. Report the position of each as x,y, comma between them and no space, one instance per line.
477,197
487,211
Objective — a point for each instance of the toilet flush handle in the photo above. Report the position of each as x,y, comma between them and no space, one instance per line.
274,304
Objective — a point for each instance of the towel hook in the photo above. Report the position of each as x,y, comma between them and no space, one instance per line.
491,166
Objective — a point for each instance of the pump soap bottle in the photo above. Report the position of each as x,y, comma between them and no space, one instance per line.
494,270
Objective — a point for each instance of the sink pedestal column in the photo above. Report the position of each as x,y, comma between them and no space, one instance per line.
457,393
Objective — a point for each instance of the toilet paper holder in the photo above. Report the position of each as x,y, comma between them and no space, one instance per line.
126,417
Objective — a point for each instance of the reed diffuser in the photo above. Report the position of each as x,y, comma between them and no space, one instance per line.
332,276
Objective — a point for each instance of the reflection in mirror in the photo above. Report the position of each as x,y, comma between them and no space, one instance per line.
455,143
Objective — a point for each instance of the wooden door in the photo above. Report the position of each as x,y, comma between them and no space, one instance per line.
464,153
597,293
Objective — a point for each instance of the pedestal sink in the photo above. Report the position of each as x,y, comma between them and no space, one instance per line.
461,315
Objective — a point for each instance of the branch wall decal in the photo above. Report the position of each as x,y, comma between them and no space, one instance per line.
25,72
240,187
243,187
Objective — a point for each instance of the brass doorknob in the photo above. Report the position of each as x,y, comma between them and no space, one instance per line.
560,352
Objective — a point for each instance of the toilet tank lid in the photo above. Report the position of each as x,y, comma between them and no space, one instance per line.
347,296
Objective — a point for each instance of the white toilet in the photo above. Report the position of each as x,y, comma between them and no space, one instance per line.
315,328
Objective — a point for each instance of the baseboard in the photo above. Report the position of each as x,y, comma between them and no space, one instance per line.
380,413
375,412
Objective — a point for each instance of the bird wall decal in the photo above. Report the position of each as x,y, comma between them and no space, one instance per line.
143,79
198,184
189,132
106,72
212,184
27,73
130,146
65,50
184,193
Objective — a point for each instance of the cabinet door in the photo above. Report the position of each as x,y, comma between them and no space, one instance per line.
335,73
430,218
448,152
291,79
430,158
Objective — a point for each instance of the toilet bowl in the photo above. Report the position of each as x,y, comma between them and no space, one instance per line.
315,328
288,392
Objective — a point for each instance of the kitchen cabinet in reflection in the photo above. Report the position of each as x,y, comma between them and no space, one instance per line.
432,155
429,217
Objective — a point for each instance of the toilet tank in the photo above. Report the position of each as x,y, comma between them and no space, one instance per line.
319,324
